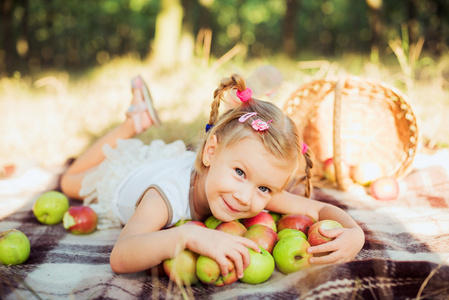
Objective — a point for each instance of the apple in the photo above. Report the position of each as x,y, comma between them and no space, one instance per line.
260,268
212,222
365,172
182,268
295,221
384,189
80,220
198,223
181,222
50,207
290,254
289,231
264,236
275,216
263,218
329,169
315,238
233,227
14,247
208,272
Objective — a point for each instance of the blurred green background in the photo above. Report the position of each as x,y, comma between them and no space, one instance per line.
41,34
65,65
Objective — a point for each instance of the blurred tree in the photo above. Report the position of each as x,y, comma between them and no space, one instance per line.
168,33
375,22
43,34
289,32
7,38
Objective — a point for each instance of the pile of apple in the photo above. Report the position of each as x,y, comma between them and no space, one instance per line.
283,241
50,208
368,174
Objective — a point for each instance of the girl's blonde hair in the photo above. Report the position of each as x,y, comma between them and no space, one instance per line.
281,139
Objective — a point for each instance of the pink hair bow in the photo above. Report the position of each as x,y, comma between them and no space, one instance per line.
244,95
258,124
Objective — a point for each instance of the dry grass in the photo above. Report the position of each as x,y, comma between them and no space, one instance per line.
57,115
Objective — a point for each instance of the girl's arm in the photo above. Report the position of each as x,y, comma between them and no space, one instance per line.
348,241
143,245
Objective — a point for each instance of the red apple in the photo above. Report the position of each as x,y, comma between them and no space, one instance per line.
198,223
365,172
263,235
208,272
182,268
384,189
290,254
315,238
233,227
295,221
329,169
263,218
80,220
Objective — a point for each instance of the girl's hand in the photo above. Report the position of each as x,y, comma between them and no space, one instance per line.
347,243
220,246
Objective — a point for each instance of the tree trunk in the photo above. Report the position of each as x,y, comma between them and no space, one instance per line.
168,33
288,38
7,9
375,22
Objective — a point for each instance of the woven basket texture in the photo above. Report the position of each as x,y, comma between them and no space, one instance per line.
354,119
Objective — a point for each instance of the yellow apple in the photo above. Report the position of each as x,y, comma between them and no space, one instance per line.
366,172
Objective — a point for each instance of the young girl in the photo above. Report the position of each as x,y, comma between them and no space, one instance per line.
248,157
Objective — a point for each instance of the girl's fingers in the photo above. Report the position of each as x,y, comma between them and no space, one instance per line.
326,259
327,247
331,233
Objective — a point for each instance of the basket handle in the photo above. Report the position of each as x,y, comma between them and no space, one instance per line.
342,182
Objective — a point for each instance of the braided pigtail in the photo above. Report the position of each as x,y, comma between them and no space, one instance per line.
224,87
308,177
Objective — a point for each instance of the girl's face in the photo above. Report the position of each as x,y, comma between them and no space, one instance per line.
243,178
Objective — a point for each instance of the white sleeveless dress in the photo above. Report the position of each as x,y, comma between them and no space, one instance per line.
114,189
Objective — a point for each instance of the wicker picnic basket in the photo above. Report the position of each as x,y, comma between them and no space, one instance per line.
353,119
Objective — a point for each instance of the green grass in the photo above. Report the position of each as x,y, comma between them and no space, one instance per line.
55,115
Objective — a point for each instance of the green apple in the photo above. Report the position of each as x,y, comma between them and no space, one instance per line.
290,231
290,254
14,247
260,268
182,268
50,207
275,216
181,222
208,272
212,222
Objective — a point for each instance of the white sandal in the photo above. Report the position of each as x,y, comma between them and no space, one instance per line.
135,110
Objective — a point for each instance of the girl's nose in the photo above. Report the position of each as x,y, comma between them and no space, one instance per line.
244,195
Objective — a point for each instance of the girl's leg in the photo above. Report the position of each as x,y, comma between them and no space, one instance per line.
86,163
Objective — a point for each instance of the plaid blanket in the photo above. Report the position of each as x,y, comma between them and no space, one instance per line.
406,255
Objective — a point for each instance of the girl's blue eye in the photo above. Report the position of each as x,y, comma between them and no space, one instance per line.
239,172
264,189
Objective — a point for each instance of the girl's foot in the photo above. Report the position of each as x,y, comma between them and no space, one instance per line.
142,110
